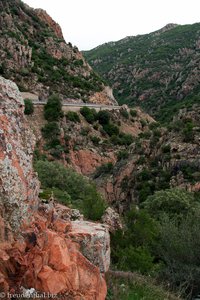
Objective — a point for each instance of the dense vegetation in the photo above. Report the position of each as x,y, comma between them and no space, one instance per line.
70,188
158,71
134,286
29,108
162,240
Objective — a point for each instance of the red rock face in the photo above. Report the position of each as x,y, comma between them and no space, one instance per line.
86,161
42,14
18,184
36,245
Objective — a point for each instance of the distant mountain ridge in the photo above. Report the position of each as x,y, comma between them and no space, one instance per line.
159,71
34,54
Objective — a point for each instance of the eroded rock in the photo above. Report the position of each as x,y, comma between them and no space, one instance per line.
40,248
94,240
112,219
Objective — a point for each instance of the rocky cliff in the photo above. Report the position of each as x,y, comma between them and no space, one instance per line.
157,71
159,158
34,54
40,247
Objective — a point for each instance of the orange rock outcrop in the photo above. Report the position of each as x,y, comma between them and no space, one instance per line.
39,247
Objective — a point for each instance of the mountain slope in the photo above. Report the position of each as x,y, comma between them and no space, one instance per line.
158,71
34,54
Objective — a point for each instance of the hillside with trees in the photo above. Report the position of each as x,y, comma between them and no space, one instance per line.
157,71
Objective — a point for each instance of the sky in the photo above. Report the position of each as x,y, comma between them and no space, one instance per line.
89,23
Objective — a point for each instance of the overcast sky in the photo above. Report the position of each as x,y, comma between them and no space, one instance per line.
89,23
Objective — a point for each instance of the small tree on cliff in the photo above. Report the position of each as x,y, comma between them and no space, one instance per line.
53,109
29,108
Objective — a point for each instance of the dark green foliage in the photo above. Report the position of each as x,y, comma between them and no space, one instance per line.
51,131
166,148
83,194
53,109
124,113
84,131
178,248
122,139
133,113
188,134
62,196
95,140
104,169
111,129
134,286
56,150
72,116
131,249
145,135
89,114
153,125
141,160
37,155
173,202
2,68
29,107
143,123
122,154
104,117
126,139
190,171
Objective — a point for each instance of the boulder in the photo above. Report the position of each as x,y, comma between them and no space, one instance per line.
94,241
112,219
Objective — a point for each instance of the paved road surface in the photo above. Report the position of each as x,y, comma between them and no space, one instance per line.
78,106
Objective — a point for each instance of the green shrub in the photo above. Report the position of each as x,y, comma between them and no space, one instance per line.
132,248
53,109
124,113
133,112
59,195
111,129
84,131
51,130
89,114
56,150
156,133
166,148
173,202
122,139
73,116
104,169
141,160
145,135
153,125
126,139
95,140
188,134
143,123
115,139
29,107
53,142
122,154
82,192
134,286
178,249
104,117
